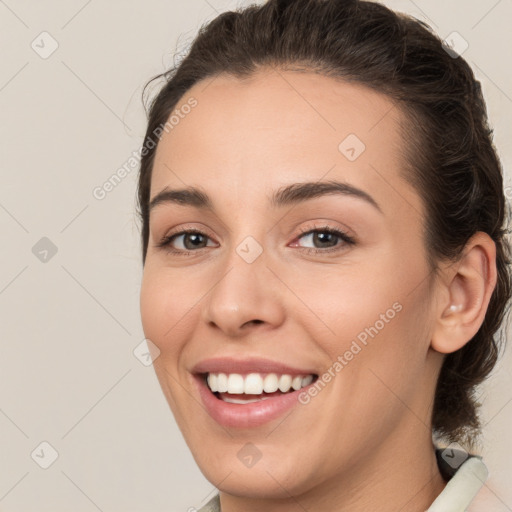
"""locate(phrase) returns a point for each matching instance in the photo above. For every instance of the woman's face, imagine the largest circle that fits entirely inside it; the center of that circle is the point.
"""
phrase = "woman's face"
(269, 293)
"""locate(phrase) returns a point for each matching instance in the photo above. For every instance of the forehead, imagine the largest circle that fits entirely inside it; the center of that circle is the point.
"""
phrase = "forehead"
(277, 127)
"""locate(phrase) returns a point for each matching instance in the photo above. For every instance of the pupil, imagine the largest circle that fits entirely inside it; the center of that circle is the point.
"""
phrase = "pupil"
(191, 237)
(323, 237)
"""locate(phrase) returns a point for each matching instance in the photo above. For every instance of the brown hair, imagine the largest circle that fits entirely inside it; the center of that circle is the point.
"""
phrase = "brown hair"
(452, 162)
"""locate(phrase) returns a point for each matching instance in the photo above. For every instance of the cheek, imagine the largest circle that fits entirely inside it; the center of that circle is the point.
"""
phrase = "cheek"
(167, 309)
(167, 316)
(151, 297)
(380, 302)
(343, 301)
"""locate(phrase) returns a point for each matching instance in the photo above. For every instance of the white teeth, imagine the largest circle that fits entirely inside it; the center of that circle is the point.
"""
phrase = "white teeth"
(235, 384)
(222, 383)
(285, 383)
(255, 383)
(306, 381)
(212, 382)
(231, 400)
(297, 383)
(270, 383)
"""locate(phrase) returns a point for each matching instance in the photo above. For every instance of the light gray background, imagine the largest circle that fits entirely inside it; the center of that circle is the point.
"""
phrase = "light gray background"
(69, 325)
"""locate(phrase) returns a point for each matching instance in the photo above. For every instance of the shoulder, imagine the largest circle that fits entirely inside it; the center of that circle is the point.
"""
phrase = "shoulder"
(466, 475)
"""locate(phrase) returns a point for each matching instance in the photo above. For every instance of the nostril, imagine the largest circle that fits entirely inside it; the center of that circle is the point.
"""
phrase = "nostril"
(254, 322)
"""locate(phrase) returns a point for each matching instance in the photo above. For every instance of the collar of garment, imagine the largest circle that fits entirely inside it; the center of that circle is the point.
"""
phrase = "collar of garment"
(465, 475)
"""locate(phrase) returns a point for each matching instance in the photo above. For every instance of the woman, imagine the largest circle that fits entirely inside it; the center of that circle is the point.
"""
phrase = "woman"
(325, 262)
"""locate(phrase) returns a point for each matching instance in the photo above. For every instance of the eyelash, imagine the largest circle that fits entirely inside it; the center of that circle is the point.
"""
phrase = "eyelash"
(165, 243)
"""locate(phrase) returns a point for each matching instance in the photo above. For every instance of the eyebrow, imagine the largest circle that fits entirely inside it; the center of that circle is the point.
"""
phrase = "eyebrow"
(287, 195)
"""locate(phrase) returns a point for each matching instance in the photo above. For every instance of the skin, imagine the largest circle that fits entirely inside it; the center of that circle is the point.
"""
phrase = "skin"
(364, 442)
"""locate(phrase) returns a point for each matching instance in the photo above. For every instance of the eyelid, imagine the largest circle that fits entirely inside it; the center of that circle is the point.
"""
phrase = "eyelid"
(323, 226)
(187, 228)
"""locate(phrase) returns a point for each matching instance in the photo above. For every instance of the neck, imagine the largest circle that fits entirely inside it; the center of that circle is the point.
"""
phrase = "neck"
(400, 475)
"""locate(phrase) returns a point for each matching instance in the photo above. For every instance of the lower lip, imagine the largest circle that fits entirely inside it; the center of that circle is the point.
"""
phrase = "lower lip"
(249, 415)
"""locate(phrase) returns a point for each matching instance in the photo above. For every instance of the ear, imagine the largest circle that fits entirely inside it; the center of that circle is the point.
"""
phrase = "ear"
(466, 289)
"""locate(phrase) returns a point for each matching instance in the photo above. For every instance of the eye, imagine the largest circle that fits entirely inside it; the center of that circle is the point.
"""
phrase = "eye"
(184, 242)
(325, 239)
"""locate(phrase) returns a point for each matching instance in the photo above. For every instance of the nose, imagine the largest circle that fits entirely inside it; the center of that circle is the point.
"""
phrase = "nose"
(244, 296)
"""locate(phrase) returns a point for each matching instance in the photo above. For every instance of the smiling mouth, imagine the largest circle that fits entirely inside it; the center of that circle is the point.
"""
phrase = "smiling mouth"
(236, 388)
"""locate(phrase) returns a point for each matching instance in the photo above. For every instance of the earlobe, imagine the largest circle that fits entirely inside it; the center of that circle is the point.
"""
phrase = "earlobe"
(467, 289)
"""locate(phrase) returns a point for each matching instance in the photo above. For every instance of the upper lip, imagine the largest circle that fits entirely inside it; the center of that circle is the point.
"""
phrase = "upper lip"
(252, 365)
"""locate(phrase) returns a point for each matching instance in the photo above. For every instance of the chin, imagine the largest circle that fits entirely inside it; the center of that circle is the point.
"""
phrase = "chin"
(241, 470)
